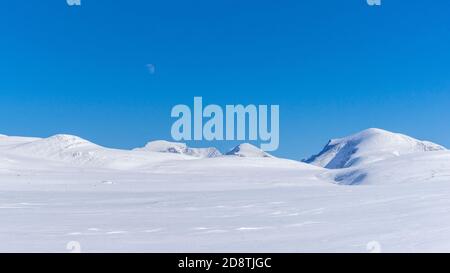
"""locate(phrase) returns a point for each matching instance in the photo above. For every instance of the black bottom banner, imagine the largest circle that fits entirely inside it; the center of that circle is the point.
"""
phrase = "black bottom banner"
(218, 262)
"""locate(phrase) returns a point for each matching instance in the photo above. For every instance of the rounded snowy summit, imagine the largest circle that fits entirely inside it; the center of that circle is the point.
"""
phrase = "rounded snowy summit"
(162, 146)
(368, 146)
(248, 150)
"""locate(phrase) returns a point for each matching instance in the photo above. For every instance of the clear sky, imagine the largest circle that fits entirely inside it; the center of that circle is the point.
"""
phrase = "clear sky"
(334, 67)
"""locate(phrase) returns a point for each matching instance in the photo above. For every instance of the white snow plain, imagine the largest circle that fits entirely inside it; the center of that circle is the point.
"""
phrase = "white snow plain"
(64, 189)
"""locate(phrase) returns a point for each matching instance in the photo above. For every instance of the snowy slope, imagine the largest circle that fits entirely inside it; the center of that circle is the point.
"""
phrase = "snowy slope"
(368, 146)
(404, 169)
(247, 150)
(163, 146)
(7, 141)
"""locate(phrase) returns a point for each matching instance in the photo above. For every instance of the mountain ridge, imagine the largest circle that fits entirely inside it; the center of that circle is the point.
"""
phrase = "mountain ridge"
(163, 146)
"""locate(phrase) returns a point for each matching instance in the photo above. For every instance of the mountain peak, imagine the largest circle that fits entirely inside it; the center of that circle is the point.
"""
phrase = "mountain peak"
(366, 134)
(162, 146)
(60, 141)
(64, 138)
(248, 150)
(368, 146)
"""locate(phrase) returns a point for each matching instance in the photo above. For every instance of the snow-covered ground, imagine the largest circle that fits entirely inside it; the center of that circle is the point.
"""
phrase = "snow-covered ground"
(388, 190)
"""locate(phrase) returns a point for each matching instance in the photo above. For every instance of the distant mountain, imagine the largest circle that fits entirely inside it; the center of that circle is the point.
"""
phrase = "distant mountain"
(162, 146)
(75, 150)
(248, 150)
(55, 146)
(368, 146)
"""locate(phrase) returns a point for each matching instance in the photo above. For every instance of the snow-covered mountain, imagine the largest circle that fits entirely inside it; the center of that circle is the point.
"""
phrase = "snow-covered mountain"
(368, 146)
(55, 146)
(248, 150)
(159, 199)
(162, 146)
(77, 151)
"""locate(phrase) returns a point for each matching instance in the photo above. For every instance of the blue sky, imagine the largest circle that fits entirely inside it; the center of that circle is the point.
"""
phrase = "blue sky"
(334, 67)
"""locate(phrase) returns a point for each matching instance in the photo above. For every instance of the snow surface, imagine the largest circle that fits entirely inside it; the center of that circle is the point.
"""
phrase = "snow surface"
(64, 189)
